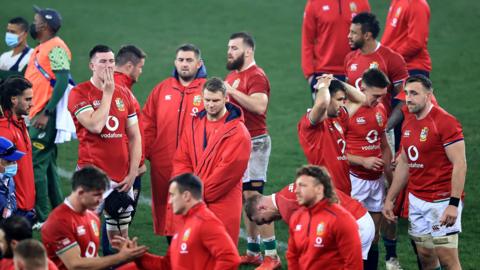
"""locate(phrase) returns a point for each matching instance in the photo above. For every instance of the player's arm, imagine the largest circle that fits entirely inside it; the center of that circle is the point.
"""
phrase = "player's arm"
(370, 163)
(387, 158)
(396, 116)
(322, 101)
(134, 152)
(74, 261)
(418, 23)
(293, 254)
(348, 241)
(255, 103)
(182, 162)
(309, 33)
(355, 97)
(95, 120)
(400, 178)
(216, 239)
(456, 154)
(149, 121)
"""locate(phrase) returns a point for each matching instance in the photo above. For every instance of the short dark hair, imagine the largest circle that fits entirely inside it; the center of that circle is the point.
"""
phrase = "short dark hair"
(188, 47)
(335, 86)
(369, 23)
(100, 48)
(251, 204)
(129, 53)
(189, 182)
(215, 84)
(322, 176)
(246, 37)
(15, 228)
(374, 77)
(426, 82)
(12, 87)
(33, 254)
(90, 178)
(21, 22)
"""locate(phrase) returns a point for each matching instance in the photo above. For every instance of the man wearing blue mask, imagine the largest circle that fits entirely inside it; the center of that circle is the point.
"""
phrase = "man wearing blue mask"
(8, 169)
(14, 62)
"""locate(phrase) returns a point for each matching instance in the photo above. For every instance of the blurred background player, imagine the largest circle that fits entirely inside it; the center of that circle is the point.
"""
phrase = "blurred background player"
(168, 110)
(248, 87)
(433, 166)
(30, 254)
(325, 25)
(14, 62)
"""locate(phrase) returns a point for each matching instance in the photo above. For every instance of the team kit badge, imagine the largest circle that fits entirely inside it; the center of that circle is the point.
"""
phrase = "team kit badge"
(120, 104)
(424, 134)
(379, 118)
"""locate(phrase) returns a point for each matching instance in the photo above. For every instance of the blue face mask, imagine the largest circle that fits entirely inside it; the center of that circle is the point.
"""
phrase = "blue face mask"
(11, 170)
(11, 40)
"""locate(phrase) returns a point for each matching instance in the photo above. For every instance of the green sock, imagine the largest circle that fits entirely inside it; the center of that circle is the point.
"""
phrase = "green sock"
(270, 245)
(253, 245)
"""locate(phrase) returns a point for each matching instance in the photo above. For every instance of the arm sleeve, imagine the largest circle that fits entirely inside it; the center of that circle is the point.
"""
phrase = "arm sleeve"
(308, 39)
(78, 103)
(397, 69)
(450, 130)
(292, 253)
(59, 88)
(418, 18)
(149, 121)
(218, 242)
(229, 167)
(258, 84)
(182, 162)
(306, 131)
(348, 239)
(63, 237)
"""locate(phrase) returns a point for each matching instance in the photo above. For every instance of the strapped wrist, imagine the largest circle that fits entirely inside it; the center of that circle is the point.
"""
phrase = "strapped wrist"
(454, 201)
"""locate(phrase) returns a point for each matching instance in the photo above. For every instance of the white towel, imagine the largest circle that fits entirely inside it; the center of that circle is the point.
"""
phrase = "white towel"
(64, 122)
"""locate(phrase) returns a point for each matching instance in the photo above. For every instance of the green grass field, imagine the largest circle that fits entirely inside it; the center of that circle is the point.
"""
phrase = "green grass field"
(160, 26)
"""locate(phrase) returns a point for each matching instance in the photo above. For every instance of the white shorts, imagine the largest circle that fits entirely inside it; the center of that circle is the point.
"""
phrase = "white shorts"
(371, 193)
(425, 217)
(366, 229)
(258, 162)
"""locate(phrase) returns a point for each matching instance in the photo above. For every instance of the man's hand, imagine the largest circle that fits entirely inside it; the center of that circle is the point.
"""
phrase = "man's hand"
(41, 121)
(141, 170)
(323, 81)
(108, 84)
(232, 88)
(373, 163)
(129, 249)
(388, 212)
(449, 216)
(127, 182)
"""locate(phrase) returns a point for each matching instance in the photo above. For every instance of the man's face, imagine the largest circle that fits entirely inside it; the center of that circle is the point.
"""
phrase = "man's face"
(356, 38)
(91, 199)
(373, 94)
(264, 215)
(17, 30)
(101, 61)
(187, 65)
(214, 102)
(307, 190)
(177, 199)
(23, 103)
(336, 101)
(235, 54)
(137, 70)
(416, 97)
(40, 24)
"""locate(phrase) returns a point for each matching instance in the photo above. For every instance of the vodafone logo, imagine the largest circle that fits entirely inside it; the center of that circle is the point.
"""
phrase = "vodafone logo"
(412, 153)
(112, 123)
(372, 136)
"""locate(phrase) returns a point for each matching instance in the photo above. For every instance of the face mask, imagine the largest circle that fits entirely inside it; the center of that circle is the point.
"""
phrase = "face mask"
(11, 40)
(11, 170)
(33, 31)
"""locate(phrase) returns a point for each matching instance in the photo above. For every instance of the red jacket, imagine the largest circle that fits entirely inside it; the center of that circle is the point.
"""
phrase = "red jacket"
(202, 243)
(406, 32)
(7, 264)
(324, 236)
(168, 109)
(220, 164)
(325, 28)
(16, 131)
(126, 82)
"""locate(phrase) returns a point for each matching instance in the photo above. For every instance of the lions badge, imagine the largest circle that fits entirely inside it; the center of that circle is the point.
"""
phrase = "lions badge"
(424, 134)
(120, 104)
(95, 228)
(379, 118)
(373, 65)
(197, 100)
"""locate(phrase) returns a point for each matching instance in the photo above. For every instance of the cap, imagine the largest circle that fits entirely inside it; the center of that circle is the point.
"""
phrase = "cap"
(8, 150)
(51, 16)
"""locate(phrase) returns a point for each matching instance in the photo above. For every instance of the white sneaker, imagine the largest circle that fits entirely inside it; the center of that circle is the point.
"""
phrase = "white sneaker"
(37, 226)
(393, 264)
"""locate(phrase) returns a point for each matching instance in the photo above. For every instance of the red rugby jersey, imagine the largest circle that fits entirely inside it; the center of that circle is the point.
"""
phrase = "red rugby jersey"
(250, 81)
(109, 149)
(424, 142)
(406, 32)
(66, 228)
(364, 136)
(384, 59)
(324, 145)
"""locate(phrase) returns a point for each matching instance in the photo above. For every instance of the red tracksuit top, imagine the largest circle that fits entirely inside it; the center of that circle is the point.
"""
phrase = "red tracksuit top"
(167, 111)
(16, 131)
(220, 162)
(406, 32)
(326, 24)
(324, 236)
(202, 243)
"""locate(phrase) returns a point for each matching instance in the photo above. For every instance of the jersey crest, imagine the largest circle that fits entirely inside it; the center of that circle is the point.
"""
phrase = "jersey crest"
(424, 134)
